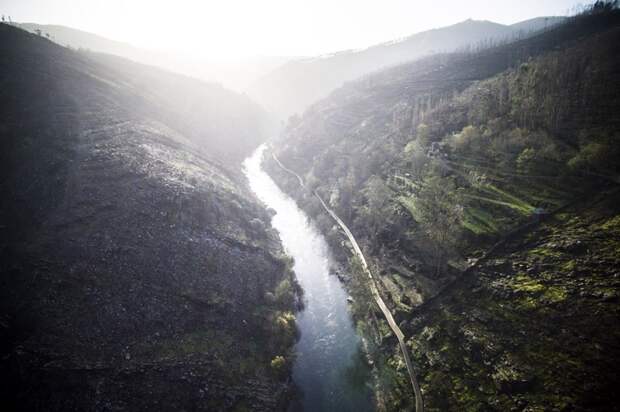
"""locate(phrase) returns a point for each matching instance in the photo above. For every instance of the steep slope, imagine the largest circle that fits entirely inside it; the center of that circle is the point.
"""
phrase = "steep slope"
(134, 264)
(293, 87)
(534, 327)
(225, 125)
(433, 162)
(232, 73)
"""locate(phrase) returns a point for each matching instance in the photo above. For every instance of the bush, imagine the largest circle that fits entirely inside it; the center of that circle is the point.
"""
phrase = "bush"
(592, 156)
(464, 140)
(284, 293)
(278, 364)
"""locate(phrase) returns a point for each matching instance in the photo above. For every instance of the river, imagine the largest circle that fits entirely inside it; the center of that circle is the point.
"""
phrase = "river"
(329, 368)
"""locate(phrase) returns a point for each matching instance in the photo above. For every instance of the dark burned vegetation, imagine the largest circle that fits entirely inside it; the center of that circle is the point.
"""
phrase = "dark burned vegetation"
(135, 265)
(431, 163)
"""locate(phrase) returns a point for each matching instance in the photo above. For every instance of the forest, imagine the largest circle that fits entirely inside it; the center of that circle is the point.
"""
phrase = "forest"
(472, 179)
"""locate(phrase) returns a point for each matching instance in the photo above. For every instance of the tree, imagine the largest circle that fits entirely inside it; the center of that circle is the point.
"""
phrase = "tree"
(423, 135)
(604, 6)
(285, 293)
(375, 213)
(525, 160)
(597, 158)
(279, 365)
(416, 158)
(346, 189)
(468, 138)
(438, 210)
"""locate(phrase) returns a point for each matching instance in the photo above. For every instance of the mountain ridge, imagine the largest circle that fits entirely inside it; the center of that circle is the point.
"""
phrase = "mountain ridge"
(231, 74)
(292, 87)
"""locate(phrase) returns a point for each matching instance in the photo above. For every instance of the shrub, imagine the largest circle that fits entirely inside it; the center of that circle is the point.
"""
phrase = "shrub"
(278, 364)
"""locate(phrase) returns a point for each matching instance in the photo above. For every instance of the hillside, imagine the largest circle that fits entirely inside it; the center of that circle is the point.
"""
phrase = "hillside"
(226, 125)
(231, 73)
(430, 164)
(292, 87)
(79, 39)
(134, 263)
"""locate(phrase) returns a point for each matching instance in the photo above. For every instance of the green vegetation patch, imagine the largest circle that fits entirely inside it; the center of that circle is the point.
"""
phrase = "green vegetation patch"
(515, 203)
(569, 265)
(554, 294)
(479, 221)
(545, 252)
(524, 283)
(537, 293)
(409, 204)
(612, 224)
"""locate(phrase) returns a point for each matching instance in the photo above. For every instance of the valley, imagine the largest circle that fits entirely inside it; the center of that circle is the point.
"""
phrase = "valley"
(427, 224)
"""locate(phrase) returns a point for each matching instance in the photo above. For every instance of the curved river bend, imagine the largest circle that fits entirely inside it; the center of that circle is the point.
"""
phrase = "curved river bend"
(329, 367)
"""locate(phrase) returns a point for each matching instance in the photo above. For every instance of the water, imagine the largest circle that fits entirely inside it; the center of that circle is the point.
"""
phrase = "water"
(329, 367)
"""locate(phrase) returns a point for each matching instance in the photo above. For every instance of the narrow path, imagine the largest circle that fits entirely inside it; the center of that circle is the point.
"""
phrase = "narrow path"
(419, 404)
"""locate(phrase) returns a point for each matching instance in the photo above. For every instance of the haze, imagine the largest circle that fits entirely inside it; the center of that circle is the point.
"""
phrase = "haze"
(238, 28)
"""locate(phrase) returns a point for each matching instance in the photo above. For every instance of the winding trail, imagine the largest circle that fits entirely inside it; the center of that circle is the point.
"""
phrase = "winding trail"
(419, 404)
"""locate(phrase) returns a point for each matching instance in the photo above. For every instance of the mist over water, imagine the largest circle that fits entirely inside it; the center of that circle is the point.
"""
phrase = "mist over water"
(328, 369)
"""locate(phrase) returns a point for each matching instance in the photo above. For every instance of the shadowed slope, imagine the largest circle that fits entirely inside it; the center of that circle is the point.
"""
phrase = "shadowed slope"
(134, 264)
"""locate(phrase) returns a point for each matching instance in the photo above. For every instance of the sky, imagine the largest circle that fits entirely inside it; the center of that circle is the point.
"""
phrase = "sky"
(236, 28)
